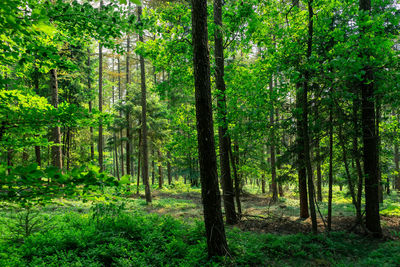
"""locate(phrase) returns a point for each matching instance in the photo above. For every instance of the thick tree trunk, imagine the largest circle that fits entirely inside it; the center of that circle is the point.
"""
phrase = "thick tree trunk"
(56, 153)
(215, 230)
(226, 180)
(145, 152)
(370, 149)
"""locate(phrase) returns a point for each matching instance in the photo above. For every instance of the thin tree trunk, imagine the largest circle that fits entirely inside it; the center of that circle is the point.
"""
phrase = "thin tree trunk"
(90, 106)
(153, 166)
(100, 144)
(226, 180)
(356, 155)
(38, 156)
(169, 168)
(306, 138)
(120, 115)
(160, 174)
(56, 153)
(139, 162)
(128, 111)
(237, 181)
(145, 153)
(274, 185)
(330, 175)
(215, 230)
(378, 140)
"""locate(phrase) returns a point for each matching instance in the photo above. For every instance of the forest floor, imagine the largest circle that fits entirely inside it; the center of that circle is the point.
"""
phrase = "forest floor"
(282, 217)
(170, 232)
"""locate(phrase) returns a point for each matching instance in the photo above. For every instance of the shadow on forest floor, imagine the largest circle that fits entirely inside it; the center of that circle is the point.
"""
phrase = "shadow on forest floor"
(260, 215)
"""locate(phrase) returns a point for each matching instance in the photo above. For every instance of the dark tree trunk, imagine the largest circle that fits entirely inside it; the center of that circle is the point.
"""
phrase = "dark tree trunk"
(330, 175)
(56, 153)
(263, 183)
(306, 138)
(215, 230)
(153, 167)
(370, 149)
(356, 155)
(237, 180)
(38, 156)
(378, 141)
(226, 180)
(319, 173)
(145, 152)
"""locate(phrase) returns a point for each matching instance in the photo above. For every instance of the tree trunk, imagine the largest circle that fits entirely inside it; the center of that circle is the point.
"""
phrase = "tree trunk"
(274, 185)
(128, 119)
(90, 106)
(330, 175)
(145, 152)
(169, 168)
(226, 180)
(378, 141)
(237, 181)
(397, 166)
(139, 160)
(306, 139)
(215, 230)
(100, 144)
(356, 155)
(38, 156)
(153, 167)
(370, 149)
(160, 174)
(263, 183)
(56, 153)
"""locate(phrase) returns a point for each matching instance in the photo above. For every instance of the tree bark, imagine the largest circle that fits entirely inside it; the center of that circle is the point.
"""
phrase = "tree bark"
(160, 174)
(100, 144)
(215, 230)
(223, 136)
(306, 139)
(56, 153)
(330, 175)
(145, 152)
(370, 149)
(169, 168)
(237, 180)
(128, 119)
(274, 185)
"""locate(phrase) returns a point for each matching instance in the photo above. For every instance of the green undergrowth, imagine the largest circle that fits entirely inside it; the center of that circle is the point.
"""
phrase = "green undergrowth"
(109, 235)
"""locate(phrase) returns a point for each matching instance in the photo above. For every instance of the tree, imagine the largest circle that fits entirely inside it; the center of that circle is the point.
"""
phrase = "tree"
(56, 154)
(215, 231)
(223, 135)
(370, 148)
(145, 152)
